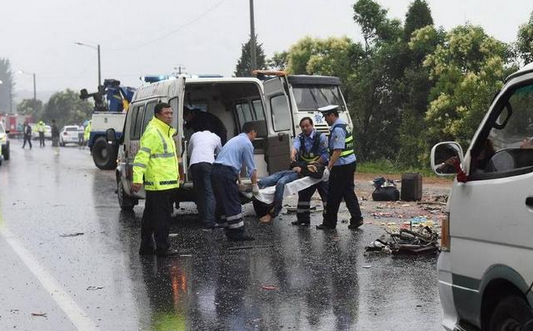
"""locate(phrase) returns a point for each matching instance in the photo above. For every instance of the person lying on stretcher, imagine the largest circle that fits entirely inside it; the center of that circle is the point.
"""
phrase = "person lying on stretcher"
(309, 156)
(279, 179)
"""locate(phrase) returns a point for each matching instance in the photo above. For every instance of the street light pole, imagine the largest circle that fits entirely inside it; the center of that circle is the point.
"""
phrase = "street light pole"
(253, 62)
(99, 67)
(97, 48)
(34, 88)
(34, 93)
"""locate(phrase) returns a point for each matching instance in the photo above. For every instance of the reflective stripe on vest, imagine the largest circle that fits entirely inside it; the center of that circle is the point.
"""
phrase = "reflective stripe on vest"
(348, 141)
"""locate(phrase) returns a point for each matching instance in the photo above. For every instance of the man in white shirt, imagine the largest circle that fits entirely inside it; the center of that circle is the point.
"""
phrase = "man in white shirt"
(203, 146)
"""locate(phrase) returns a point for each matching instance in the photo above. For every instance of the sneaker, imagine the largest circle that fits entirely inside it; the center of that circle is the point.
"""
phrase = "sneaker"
(325, 227)
(356, 225)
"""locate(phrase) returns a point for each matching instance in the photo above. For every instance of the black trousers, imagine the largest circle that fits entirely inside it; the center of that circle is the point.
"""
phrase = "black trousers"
(41, 138)
(203, 192)
(228, 202)
(156, 219)
(303, 212)
(341, 186)
(28, 139)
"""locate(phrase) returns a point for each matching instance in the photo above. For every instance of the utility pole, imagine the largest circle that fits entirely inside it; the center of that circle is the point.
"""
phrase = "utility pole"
(99, 67)
(34, 94)
(253, 62)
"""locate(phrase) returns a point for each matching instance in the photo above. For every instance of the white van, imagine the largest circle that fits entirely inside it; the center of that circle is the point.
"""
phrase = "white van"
(275, 105)
(485, 270)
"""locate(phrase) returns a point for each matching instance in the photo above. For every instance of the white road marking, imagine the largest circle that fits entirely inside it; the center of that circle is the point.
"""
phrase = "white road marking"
(77, 316)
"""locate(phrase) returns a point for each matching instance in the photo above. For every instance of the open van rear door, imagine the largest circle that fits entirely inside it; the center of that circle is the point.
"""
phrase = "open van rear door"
(280, 110)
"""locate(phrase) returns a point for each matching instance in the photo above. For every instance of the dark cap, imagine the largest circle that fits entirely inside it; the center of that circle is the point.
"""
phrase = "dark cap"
(328, 109)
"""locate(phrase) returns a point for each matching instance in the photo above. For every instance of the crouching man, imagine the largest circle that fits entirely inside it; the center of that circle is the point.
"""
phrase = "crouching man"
(237, 152)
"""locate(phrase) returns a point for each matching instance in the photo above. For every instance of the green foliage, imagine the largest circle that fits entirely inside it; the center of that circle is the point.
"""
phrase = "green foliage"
(244, 65)
(7, 85)
(524, 43)
(469, 69)
(26, 107)
(279, 61)
(418, 16)
(67, 108)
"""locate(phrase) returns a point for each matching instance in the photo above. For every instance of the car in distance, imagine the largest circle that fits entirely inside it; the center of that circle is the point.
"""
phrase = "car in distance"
(70, 134)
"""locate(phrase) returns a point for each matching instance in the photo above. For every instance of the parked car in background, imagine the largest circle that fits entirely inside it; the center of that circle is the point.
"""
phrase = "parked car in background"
(4, 142)
(70, 134)
(35, 133)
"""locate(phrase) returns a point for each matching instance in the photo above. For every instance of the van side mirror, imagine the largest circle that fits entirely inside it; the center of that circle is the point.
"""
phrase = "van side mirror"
(111, 137)
(443, 157)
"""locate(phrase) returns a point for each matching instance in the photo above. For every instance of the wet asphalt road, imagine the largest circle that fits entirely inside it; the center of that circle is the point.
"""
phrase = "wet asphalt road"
(68, 252)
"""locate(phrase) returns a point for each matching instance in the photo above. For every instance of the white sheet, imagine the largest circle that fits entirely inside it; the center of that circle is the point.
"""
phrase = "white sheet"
(266, 195)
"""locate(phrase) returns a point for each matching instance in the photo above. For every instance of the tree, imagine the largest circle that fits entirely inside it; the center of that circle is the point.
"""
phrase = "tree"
(244, 65)
(25, 107)
(67, 108)
(6, 86)
(468, 68)
(418, 16)
(279, 61)
(524, 43)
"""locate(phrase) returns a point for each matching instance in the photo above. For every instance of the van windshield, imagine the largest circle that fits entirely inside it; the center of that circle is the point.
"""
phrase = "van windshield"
(312, 97)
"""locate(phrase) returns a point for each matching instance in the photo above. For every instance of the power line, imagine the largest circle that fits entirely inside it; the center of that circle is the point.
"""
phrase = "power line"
(173, 31)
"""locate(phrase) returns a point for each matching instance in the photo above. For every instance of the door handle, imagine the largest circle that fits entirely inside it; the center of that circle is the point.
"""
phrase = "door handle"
(529, 201)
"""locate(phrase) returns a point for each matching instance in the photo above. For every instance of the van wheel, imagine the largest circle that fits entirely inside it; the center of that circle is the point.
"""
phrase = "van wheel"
(104, 155)
(5, 151)
(511, 313)
(125, 202)
(261, 208)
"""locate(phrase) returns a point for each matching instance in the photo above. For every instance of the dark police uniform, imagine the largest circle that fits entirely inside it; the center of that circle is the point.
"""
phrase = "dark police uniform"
(310, 148)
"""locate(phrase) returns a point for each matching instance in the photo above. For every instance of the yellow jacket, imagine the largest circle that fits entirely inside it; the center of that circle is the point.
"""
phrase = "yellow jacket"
(157, 159)
(87, 131)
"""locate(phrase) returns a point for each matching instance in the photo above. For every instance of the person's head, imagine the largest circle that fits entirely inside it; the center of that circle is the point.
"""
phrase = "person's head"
(188, 114)
(163, 112)
(53, 121)
(250, 129)
(306, 125)
(330, 113)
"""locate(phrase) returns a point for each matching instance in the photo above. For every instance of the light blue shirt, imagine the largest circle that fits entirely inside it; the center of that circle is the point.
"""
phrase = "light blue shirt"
(238, 151)
(337, 139)
(308, 142)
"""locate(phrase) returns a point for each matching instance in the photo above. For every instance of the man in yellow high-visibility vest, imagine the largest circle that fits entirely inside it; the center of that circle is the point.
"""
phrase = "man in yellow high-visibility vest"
(156, 166)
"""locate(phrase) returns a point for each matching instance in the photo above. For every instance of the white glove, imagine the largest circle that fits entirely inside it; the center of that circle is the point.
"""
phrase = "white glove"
(255, 189)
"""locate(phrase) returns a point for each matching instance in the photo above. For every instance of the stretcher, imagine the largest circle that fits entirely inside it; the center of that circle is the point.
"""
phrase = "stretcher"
(266, 195)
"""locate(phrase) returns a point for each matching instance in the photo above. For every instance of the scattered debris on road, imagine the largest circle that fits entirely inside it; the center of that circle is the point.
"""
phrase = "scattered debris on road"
(94, 288)
(269, 287)
(75, 234)
(39, 314)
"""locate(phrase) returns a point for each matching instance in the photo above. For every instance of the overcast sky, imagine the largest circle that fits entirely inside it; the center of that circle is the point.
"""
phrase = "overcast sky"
(152, 37)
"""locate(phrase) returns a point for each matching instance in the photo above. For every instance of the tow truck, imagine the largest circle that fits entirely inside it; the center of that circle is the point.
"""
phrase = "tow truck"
(111, 103)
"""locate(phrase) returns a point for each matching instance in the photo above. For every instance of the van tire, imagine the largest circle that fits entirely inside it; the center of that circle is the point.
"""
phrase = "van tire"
(5, 151)
(261, 208)
(511, 313)
(104, 154)
(125, 202)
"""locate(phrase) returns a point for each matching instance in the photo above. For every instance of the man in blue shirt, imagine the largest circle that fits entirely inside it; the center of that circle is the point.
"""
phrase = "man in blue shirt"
(342, 164)
(235, 154)
(310, 147)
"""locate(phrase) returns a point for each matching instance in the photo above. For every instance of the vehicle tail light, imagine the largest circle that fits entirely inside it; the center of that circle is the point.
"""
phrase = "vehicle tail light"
(445, 233)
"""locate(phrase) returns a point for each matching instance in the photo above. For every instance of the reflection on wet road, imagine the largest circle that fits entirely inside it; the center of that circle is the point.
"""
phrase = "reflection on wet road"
(64, 212)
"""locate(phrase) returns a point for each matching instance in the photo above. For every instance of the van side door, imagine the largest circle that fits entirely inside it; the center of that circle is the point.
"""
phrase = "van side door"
(278, 106)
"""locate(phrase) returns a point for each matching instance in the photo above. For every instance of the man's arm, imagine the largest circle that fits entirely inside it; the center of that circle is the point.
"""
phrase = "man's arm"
(140, 163)
(334, 158)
